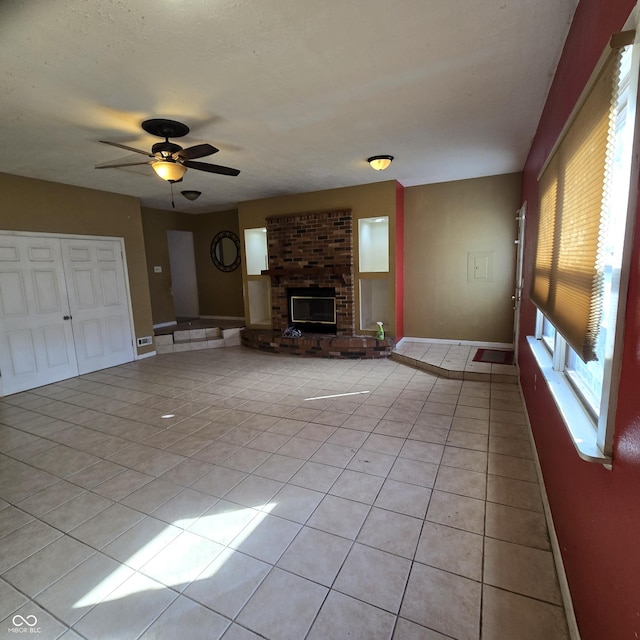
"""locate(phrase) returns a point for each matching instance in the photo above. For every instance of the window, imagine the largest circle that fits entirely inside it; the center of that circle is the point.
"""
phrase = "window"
(548, 333)
(580, 263)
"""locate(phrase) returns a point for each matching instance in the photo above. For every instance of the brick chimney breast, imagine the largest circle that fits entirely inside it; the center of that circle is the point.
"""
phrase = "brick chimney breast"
(310, 250)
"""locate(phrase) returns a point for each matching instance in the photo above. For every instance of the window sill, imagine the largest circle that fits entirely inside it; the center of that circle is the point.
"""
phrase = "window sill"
(576, 419)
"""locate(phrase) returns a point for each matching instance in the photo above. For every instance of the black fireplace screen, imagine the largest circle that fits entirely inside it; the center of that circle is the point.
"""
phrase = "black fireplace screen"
(312, 309)
(315, 309)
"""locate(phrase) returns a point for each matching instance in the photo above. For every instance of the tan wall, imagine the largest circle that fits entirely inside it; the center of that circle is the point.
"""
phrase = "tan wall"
(219, 293)
(48, 207)
(365, 201)
(443, 223)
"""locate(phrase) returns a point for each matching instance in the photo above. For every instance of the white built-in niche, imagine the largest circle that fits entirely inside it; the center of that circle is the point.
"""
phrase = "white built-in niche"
(373, 244)
(373, 262)
(258, 285)
(255, 250)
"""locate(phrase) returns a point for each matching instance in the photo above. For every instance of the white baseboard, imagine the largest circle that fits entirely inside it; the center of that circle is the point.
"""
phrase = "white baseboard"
(164, 324)
(146, 355)
(570, 614)
(463, 343)
(230, 318)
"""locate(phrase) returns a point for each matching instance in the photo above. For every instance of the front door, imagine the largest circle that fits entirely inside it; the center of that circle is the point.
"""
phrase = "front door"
(517, 297)
(36, 338)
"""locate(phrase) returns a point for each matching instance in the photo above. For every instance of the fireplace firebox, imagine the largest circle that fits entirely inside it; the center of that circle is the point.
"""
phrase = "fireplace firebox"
(312, 309)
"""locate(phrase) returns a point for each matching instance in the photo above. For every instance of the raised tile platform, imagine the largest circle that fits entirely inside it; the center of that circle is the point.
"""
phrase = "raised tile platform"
(318, 345)
(452, 360)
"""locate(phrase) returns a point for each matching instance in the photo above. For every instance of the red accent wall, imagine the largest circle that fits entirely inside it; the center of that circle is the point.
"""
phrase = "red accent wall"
(596, 512)
(399, 261)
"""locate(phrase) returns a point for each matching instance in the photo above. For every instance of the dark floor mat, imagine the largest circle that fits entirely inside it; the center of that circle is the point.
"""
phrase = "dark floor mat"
(493, 356)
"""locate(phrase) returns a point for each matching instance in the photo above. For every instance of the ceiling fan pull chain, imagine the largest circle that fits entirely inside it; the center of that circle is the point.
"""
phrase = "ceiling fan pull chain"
(173, 204)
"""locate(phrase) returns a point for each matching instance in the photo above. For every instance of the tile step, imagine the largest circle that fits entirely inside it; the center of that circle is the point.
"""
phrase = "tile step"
(196, 339)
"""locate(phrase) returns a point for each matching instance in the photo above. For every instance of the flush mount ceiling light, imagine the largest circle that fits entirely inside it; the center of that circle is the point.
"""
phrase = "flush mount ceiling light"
(168, 170)
(190, 194)
(379, 163)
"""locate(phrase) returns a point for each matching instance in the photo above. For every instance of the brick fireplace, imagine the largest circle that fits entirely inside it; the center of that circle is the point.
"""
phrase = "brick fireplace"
(312, 252)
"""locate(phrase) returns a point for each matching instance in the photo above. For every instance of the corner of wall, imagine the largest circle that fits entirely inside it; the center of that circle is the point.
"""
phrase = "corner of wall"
(399, 303)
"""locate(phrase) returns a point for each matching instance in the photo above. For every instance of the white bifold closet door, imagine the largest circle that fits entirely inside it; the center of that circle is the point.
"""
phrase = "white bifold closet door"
(64, 309)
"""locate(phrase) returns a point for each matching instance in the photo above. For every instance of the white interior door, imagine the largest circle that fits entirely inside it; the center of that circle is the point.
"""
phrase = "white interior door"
(36, 338)
(98, 303)
(182, 259)
(517, 297)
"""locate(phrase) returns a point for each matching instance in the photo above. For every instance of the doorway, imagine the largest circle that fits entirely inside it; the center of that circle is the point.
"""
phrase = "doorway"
(184, 283)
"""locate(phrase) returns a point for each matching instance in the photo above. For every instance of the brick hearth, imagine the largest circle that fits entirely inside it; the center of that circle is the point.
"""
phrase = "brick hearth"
(318, 345)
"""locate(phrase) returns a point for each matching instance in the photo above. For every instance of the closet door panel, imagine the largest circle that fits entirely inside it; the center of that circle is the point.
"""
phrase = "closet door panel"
(36, 341)
(98, 302)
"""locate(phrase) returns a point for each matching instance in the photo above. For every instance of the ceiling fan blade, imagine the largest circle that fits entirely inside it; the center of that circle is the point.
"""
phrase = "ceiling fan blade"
(211, 168)
(119, 164)
(197, 151)
(124, 146)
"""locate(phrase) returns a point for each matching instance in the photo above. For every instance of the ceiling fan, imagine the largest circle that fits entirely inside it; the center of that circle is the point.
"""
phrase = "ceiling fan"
(169, 160)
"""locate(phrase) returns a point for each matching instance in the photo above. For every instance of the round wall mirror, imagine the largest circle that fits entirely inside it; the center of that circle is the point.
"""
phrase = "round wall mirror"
(225, 251)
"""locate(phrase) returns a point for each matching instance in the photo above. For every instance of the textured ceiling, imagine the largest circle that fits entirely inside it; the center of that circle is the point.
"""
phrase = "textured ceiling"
(295, 93)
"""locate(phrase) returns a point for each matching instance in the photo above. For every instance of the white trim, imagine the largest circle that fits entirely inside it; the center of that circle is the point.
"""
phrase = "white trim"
(127, 286)
(565, 592)
(521, 218)
(575, 416)
(145, 355)
(464, 343)
(66, 236)
(164, 324)
(234, 318)
(539, 323)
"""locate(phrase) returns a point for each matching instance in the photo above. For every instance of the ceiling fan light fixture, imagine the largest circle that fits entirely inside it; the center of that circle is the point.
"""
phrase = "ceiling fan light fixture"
(191, 194)
(170, 171)
(380, 163)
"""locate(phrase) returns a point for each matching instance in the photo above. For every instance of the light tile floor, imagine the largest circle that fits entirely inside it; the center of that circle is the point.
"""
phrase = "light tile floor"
(452, 360)
(237, 495)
